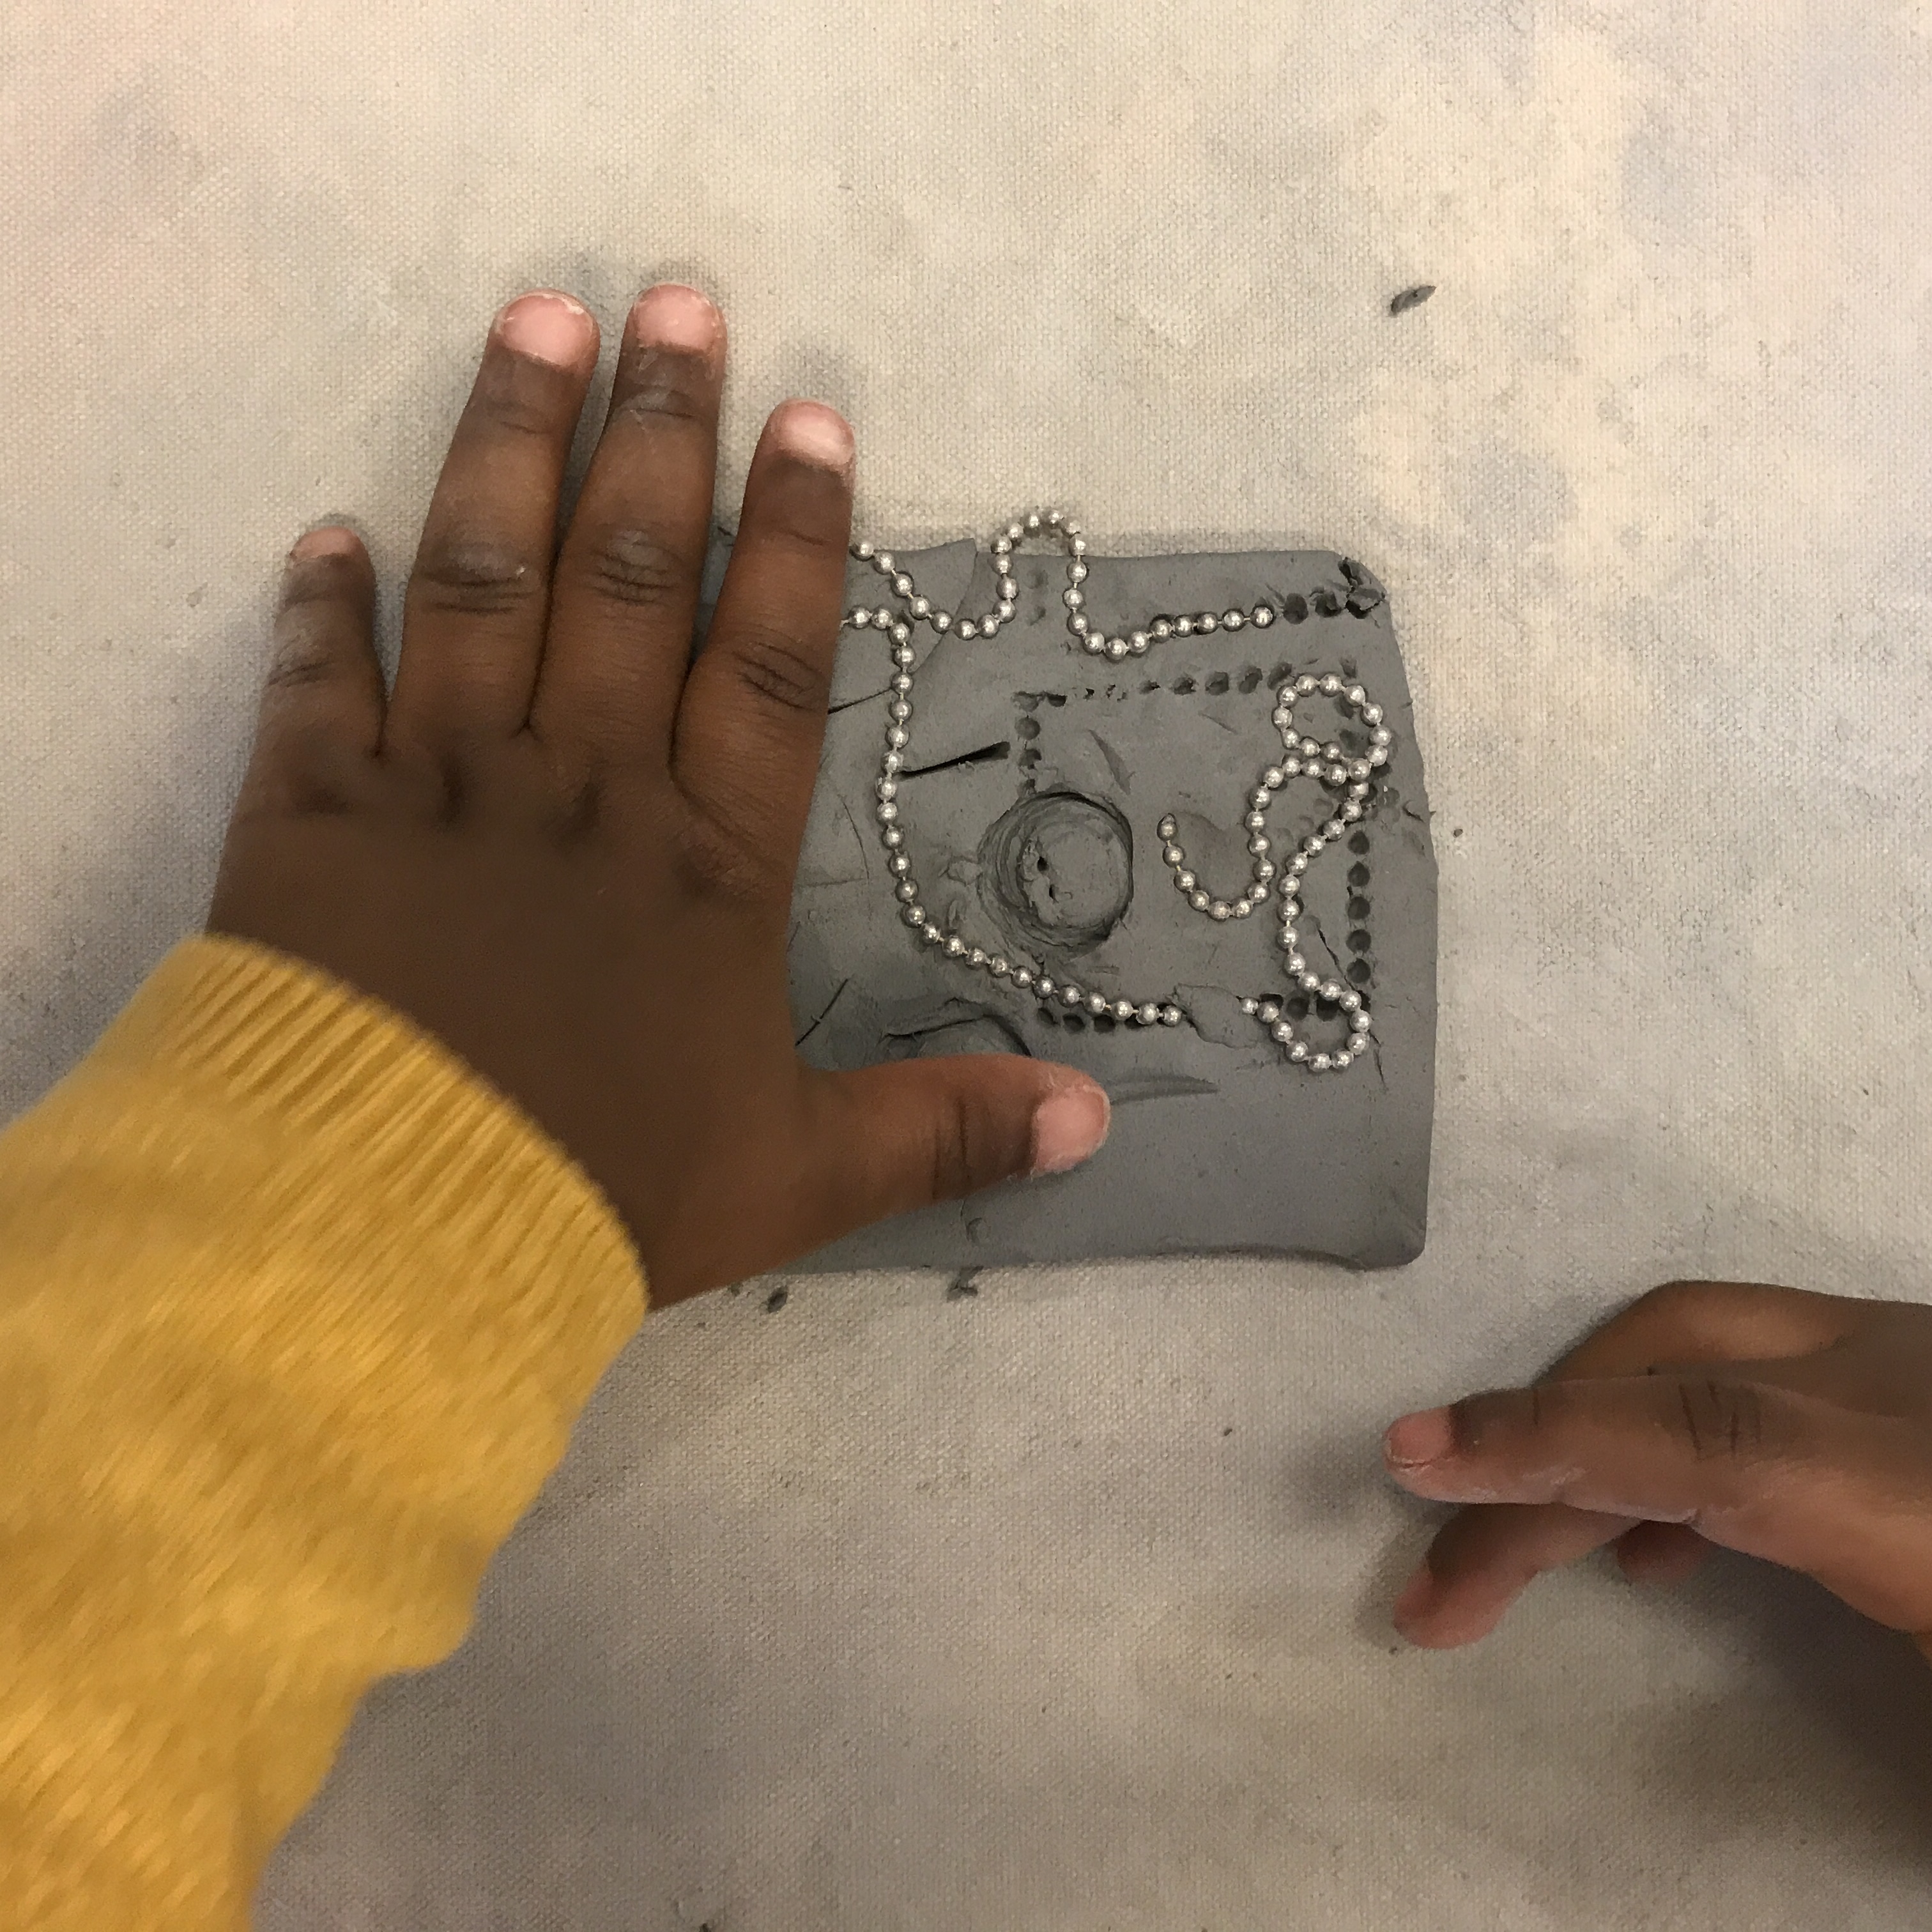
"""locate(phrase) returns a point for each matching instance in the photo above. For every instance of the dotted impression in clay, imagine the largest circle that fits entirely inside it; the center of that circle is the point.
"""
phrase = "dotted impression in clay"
(1064, 866)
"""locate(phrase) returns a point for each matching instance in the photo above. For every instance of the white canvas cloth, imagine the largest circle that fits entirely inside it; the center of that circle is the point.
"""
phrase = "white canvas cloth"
(1063, 1606)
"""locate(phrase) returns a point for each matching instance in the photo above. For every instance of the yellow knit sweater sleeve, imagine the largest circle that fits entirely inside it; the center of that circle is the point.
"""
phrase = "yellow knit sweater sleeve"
(295, 1316)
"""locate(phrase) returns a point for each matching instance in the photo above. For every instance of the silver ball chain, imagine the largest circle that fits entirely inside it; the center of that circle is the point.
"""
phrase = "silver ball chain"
(1353, 778)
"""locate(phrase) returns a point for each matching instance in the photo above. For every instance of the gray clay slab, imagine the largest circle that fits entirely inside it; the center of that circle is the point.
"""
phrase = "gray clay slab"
(1035, 778)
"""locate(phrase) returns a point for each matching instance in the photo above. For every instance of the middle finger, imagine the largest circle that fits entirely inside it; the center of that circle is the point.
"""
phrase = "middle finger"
(627, 580)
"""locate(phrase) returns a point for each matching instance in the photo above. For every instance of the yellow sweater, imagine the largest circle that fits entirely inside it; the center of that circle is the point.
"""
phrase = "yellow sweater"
(295, 1316)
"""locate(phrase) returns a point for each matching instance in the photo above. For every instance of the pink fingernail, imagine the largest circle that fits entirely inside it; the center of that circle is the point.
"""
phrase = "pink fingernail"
(552, 327)
(1418, 1598)
(673, 316)
(1424, 1437)
(331, 540)
(815, 432)
(1068, 1125)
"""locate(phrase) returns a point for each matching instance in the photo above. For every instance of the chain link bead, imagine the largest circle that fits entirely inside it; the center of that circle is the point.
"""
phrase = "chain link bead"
(1307, 756)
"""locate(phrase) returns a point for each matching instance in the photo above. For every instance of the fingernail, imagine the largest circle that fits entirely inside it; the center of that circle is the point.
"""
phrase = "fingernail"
(553, 328)
(673, 316)
(1417, 1600)
(1424, 1437)
(331, 540)
(1068, 1125)
(815, 434)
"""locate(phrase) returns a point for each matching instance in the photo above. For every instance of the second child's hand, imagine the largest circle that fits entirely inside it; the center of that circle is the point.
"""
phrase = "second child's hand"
(1793, 1426)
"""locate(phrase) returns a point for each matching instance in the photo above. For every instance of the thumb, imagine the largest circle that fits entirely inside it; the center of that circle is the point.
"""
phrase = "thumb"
(909, 1134)
(1773, 1471)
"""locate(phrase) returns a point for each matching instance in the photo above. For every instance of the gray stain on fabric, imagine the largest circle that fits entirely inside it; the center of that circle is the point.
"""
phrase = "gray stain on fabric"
(1411, 299)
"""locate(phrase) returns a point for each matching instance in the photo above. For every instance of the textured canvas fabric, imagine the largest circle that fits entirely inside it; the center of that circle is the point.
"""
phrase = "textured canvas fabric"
(1061, 1604)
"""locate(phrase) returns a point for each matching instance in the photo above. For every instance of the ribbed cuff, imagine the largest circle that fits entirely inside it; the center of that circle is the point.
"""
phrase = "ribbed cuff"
(394, 1113)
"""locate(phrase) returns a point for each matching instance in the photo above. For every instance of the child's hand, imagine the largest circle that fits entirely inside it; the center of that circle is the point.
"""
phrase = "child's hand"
(567, 850)
(1794, 1426)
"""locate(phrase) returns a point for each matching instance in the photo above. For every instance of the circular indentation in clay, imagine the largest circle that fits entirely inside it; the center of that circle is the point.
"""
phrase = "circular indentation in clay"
(1358, 874)
(1359, 972)
(1058, 869)
(1360, 843)
(1358, 907)
(1359, 940)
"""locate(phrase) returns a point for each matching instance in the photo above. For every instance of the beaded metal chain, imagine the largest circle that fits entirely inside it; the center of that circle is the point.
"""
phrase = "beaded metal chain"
(1353, 778)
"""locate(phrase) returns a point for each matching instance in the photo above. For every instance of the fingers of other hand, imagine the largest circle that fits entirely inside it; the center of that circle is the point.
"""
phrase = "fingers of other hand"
(753, 715)
(899, 1137)
(1713, 1321)
(1662, 1448)
(1844, 1496)
(478, 597)
(322, 702)
(625, 597)
(1485, 1557)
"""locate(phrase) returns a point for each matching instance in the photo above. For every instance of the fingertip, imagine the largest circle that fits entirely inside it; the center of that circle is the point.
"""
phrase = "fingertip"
(1416, 1598)
(327, 541)
(816, 433)
(1447, 1629)
(322, 695)
(1070, 1124)
(673, 316)
(329, 564)
(549, 326)
(1413, 1441)
(1433, 1613)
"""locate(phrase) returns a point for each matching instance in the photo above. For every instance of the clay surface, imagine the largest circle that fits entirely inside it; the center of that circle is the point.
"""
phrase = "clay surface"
(1034, 783)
